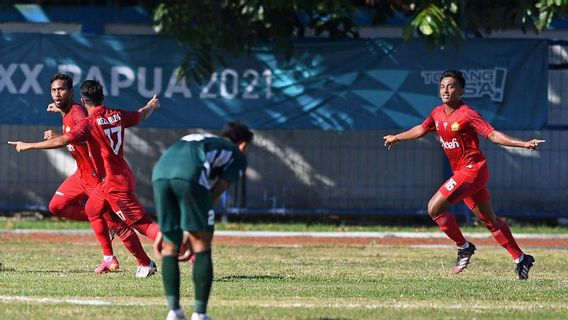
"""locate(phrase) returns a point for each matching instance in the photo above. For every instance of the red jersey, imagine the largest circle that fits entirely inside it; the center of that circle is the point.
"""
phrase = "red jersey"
(458, 134)
(103, 129)
(80, 151)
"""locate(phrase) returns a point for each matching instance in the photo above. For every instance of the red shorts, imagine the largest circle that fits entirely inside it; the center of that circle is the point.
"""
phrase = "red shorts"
(72, 189)
(123, 203)
(467, 184)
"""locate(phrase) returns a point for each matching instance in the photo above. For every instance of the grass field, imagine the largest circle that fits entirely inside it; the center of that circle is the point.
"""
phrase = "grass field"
(56, 281)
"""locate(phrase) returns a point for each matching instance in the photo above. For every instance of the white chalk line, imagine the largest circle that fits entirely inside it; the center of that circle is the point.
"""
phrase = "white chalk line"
(303, 305)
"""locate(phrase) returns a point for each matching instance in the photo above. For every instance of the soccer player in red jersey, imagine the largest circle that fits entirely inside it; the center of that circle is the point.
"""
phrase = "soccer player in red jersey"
(103, 130)
(67, 202)
(458, 125)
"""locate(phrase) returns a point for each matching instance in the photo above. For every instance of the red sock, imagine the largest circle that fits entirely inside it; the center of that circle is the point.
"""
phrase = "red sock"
(132, 243)
(147, 228)
(504, 237)
(449, 225)
(69, 210)
(100, 228)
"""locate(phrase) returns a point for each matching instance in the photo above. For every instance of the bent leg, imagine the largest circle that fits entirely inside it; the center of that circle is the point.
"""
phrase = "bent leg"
(95, 209)
(499, 229)
(67, 200)
(129, 209)
(129, 238)
(438, 209)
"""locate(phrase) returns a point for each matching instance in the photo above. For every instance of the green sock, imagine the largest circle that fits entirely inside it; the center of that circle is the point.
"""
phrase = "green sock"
(170, 278)
(202, 279)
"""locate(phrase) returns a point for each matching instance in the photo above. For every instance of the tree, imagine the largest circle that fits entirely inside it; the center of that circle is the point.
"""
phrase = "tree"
(214, 29)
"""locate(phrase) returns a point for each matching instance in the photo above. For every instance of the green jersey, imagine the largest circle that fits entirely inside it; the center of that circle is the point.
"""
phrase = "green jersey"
(201, 158)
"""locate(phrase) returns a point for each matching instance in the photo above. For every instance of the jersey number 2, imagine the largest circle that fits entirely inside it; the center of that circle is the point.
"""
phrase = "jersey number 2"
(114, 144)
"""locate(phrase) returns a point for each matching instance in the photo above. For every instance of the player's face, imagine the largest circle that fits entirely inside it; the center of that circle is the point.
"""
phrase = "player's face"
(450, 91)
(60, 94)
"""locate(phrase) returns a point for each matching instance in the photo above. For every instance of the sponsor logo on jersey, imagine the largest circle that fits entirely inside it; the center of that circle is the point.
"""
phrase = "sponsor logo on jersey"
(455, 126)
(67, 129)
(451, 144)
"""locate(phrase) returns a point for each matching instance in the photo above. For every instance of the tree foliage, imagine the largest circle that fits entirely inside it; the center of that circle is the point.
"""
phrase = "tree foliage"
(214, 29)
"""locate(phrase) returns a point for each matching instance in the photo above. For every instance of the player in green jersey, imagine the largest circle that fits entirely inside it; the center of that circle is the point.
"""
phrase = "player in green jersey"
(188, 179)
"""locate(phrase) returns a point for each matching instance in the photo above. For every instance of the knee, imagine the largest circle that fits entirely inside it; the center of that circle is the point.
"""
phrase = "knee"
(122, 232)
(169, 248)
(433, 209)
(55, 206)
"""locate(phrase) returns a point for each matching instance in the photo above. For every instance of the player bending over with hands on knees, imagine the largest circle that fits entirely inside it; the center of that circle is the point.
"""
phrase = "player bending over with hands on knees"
(458, 125)
(188, 179)
(103, 130)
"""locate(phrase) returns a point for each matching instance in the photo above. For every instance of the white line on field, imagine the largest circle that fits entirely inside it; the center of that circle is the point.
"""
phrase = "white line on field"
(319, 234)
(89, 302)
(286, 304)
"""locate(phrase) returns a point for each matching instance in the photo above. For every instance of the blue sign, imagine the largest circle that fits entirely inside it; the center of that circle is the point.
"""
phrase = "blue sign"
(351, 85)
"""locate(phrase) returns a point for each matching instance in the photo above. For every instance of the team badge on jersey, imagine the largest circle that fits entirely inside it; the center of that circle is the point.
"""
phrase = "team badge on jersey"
(455, 126)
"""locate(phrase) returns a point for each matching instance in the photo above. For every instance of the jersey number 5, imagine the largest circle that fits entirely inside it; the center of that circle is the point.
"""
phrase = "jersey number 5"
(115, 143)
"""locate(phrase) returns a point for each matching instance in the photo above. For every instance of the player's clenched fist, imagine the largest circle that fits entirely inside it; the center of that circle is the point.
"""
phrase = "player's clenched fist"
(50, 134)
(53, 108)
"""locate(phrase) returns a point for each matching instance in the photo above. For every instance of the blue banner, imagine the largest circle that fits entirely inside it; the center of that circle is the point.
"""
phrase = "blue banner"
(351, 85)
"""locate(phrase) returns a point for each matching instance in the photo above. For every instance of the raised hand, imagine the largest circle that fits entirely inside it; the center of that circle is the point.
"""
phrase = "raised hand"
(50, 134)
(53, 108)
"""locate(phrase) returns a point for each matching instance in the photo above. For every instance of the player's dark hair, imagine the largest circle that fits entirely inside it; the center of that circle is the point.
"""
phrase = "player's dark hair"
(92, 91)
(456, 74)
(62, 76)
(237, 132)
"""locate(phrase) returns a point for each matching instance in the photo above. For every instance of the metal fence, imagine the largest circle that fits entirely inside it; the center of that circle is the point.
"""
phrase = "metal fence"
(325, 172)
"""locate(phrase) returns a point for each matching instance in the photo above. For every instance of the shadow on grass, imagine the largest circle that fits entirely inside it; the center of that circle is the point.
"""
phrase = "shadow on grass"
(250, 277)
(9, 269)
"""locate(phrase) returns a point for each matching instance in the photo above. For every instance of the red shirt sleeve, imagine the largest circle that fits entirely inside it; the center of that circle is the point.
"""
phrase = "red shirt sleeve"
(130, 118)
(429, 123)
(480, 125)
(78, 115)
(81, 132)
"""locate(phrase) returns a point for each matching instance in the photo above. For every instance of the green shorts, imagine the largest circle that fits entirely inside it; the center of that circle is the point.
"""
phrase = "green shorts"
(182, 205)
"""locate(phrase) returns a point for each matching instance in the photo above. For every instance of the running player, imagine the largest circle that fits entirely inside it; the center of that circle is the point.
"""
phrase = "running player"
(458, 125)
(188, 179)
(68, 200)
(103, 130)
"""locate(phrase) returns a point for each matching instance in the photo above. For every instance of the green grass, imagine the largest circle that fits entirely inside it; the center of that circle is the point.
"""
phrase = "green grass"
(54, 224)
(272, 282)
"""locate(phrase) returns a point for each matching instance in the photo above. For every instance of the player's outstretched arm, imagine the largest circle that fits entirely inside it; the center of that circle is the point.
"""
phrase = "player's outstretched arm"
(146, 110)
(500, 138)
(54, 143)
(411, 134)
